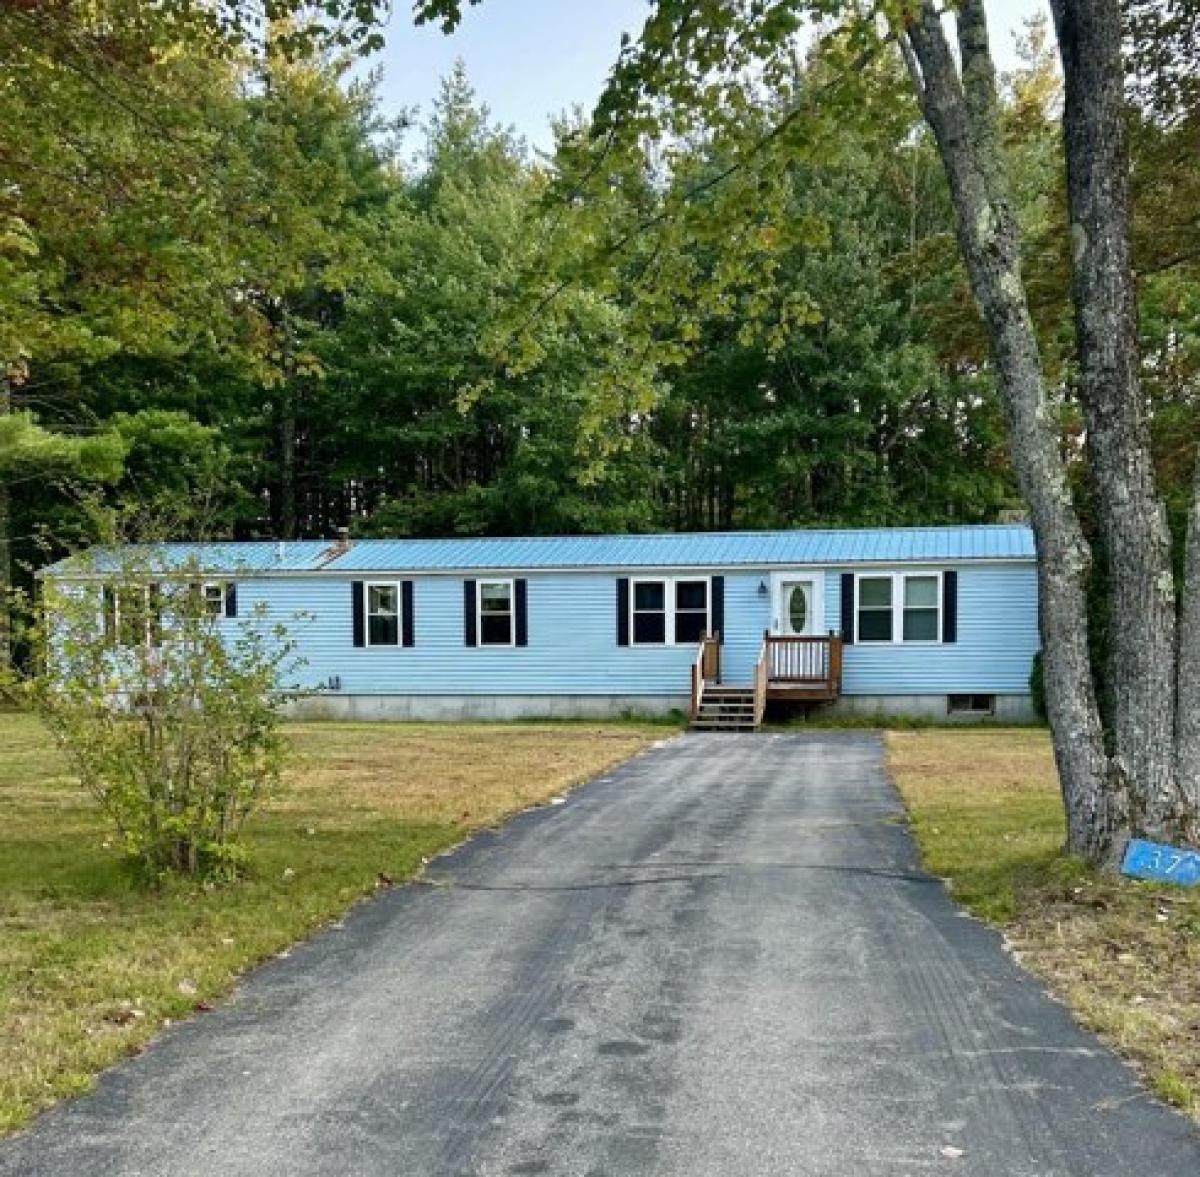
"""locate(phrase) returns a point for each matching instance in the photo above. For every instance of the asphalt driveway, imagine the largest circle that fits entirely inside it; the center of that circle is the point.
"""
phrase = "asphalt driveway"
(720, 959)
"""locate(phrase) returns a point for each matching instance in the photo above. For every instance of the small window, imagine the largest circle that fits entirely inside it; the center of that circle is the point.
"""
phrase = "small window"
(383, 615)
(214, 599)
(691, 610)
(133, 621)
(875, 609)
(920, 609)
(649, 612)
(495, 613)
(971, 704)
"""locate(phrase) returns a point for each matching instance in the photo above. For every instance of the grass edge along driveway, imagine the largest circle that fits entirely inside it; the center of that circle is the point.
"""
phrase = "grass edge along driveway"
(1124, 956)
(92, 966)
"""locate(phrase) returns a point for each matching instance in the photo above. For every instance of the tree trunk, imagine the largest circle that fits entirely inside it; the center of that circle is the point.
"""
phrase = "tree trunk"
(962, 113)
(1132, 521)
(287, 463)
(1187, 718)
(5, 547)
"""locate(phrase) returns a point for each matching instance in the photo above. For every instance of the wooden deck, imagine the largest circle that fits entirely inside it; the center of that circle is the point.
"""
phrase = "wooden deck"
(803, 669)
(790, 669)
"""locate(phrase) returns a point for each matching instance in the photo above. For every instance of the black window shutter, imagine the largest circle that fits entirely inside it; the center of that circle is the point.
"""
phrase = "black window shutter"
(230, 599)
(356, 600)
(622, 610)
(110, 612)
(470, 634)
(949, 606)
(848, 607)
(717, 609)
(521, 606)
(406, 613)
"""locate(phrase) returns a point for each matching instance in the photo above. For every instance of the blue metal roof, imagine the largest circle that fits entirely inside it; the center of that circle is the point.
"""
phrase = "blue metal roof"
(893, 545)
(245, 558)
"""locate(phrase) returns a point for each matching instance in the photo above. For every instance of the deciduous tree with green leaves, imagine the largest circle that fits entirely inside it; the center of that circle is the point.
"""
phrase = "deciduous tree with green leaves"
(706, 71)
(169, 713)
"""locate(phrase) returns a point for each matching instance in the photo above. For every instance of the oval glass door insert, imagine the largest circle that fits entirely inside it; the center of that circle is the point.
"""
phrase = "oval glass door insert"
(798, 608)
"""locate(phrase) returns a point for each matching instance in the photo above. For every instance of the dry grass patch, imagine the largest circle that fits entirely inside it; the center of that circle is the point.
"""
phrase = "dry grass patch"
(1125, 956)
(440, 773)
(92, 965)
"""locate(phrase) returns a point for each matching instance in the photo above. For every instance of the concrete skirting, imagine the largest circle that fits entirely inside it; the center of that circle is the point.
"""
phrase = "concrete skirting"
(1008, 708)
(457, 708)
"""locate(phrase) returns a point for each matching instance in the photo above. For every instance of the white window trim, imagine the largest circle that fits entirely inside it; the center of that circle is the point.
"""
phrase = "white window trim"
(675, 610)
(859, 640)
(223, 585)
(147, 638)
(512, 614)
(367, 614)
(781, 577)
(668, 619)
(898, 579)
(669, 610)
(938, 604)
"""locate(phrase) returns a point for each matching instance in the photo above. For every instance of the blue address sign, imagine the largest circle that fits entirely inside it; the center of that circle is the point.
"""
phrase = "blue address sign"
(1164, 864)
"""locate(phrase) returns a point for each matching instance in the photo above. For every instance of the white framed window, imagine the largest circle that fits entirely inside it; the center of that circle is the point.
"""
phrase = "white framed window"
(132, 615)
(495, 613)
(648, 612)
(874, 607)
(898, 608)
(383, 614)
(214, 596)
(922, 620)
(669, 610)
(691, 611)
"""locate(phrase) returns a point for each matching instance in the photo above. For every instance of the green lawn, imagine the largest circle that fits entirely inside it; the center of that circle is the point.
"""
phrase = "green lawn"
(1125, 956)
(92, 965)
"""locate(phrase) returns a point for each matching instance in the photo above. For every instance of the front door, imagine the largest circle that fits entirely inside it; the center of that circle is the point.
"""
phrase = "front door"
(797, 606)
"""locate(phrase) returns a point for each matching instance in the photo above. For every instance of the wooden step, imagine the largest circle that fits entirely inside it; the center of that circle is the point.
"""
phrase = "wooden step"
(726, 709)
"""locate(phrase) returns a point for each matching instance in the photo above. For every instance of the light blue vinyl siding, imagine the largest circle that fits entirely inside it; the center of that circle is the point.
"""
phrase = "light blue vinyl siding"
(572, 638)
(572, 631)
(997, 638)
(573, 645)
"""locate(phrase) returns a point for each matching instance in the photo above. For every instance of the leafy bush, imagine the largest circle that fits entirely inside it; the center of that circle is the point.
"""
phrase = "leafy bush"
(168, 711)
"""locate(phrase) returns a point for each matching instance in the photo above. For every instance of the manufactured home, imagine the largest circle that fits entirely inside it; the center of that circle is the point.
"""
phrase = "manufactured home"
(939, 621)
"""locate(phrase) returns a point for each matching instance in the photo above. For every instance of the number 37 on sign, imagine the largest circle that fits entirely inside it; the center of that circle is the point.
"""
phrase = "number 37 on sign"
(1164, 864)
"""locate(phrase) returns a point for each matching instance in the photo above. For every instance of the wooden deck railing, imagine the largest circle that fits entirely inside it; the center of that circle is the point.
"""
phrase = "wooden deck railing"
(796, 668)
(804, 661)
(761, 679)
(706, 667)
